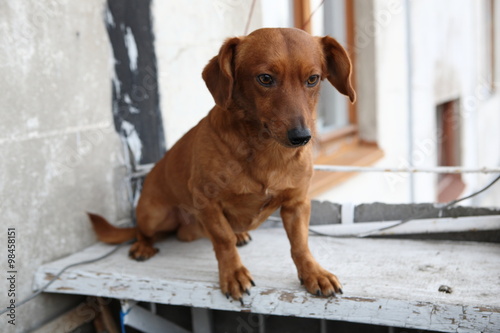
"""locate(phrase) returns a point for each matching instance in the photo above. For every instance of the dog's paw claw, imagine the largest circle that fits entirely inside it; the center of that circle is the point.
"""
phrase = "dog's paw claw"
(241, 301)
(235, 282)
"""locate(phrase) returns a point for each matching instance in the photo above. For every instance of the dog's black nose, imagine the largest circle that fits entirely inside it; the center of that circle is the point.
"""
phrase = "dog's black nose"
(299, 136)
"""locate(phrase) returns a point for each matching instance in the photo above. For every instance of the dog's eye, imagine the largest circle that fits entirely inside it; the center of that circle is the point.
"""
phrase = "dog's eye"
(312, 80)
(265, 79)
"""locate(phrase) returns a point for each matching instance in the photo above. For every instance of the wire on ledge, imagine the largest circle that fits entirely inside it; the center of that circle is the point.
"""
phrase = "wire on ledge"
(424, 215)
(41, 290)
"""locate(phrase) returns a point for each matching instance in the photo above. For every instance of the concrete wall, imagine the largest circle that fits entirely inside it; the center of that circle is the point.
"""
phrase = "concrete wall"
(447, 62)
(60, 155)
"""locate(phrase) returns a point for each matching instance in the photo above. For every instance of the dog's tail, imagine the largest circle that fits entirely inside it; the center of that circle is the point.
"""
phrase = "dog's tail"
(108, 233)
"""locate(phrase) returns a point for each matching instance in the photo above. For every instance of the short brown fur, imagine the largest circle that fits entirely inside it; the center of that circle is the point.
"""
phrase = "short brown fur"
(240, 163)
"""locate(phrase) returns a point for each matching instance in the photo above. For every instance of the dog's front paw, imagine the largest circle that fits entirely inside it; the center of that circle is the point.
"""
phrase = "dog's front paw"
(235, 282)
(320, 282)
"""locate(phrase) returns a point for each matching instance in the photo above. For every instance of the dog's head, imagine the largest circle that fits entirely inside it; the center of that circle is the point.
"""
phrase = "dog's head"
(272, 77)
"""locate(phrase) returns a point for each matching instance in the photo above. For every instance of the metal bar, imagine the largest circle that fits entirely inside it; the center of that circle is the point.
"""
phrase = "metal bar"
(409, 87)
(451, 169)
(145, 169)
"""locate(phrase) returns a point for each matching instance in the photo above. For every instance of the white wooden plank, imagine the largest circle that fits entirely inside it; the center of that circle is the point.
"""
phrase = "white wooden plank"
(385, 282)
(347, 212)
(421, 226)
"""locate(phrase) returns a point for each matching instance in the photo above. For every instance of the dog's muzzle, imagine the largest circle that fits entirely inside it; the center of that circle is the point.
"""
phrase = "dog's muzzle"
(299, 136)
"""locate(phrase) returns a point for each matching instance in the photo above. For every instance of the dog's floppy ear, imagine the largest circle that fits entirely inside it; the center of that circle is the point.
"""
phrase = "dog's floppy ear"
(219, 73)
(339, 68)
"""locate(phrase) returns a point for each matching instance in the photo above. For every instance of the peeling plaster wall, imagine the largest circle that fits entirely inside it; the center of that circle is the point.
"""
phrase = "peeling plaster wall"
(136, 109)
(60, 154)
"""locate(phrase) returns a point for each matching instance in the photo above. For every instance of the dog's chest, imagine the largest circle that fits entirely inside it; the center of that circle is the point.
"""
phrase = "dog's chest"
(247, 212)
(252, 203)
(256, 192)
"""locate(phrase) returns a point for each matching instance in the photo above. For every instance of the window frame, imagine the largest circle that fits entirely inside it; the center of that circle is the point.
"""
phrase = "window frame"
(340, 146)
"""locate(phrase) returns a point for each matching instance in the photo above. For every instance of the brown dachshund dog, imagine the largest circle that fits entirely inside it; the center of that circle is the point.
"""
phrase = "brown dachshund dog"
(248, 157)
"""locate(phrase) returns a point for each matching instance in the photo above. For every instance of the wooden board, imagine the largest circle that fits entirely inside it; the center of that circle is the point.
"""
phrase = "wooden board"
(386, 282)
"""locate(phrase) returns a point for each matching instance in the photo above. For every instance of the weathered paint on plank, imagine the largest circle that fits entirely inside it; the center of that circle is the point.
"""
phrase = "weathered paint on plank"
(385, 282)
